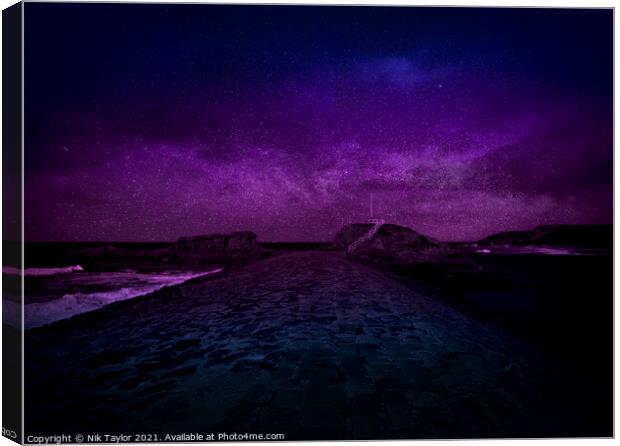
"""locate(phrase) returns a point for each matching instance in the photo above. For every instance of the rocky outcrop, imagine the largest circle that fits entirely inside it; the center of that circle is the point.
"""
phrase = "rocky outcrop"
(508, 238)
(204, 249)
(349, 233)
(104, 251)
(393, 244)
(595, 236)
(216, 248)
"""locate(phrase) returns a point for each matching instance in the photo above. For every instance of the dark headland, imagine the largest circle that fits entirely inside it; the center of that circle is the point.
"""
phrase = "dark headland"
(393, 336)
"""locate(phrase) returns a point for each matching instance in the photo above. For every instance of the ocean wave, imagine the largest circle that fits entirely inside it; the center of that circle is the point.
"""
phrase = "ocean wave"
(43, 313)
(539, 250)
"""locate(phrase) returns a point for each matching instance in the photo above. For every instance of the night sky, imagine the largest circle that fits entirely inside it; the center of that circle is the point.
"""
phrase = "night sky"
(151, 122)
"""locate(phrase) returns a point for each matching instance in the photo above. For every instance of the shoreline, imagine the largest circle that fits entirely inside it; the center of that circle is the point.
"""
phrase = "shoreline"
(70, 305)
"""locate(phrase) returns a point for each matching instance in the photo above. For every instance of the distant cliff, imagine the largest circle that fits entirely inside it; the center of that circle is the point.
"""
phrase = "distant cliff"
(216, 247)
(202, 249)
(594, 236)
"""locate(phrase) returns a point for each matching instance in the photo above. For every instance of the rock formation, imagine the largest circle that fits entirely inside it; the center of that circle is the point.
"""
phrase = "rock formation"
(216, 248)
(394, 244)
(556, 235)
(349, 233)
(203, 249)
(104, 251)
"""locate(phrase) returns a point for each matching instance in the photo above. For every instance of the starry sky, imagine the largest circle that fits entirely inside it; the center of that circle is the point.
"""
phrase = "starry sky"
(151, 122)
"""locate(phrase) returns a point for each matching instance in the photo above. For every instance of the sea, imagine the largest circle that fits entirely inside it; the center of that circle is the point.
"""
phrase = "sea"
(55, 289)
(60, 283)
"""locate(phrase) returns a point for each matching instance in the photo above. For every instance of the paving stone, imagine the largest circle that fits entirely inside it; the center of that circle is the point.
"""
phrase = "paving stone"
(310, 340)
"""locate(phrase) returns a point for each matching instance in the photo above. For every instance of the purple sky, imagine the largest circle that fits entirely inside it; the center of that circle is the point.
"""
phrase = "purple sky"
(186, 135)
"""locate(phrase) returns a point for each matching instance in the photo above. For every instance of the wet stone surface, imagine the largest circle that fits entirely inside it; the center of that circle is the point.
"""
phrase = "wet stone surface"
(308, 344)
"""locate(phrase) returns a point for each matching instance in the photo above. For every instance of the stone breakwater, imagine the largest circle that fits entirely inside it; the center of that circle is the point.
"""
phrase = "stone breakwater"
(308, 344)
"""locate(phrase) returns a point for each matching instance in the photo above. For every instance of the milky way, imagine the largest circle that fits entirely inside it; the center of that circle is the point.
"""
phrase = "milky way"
(151, 122)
